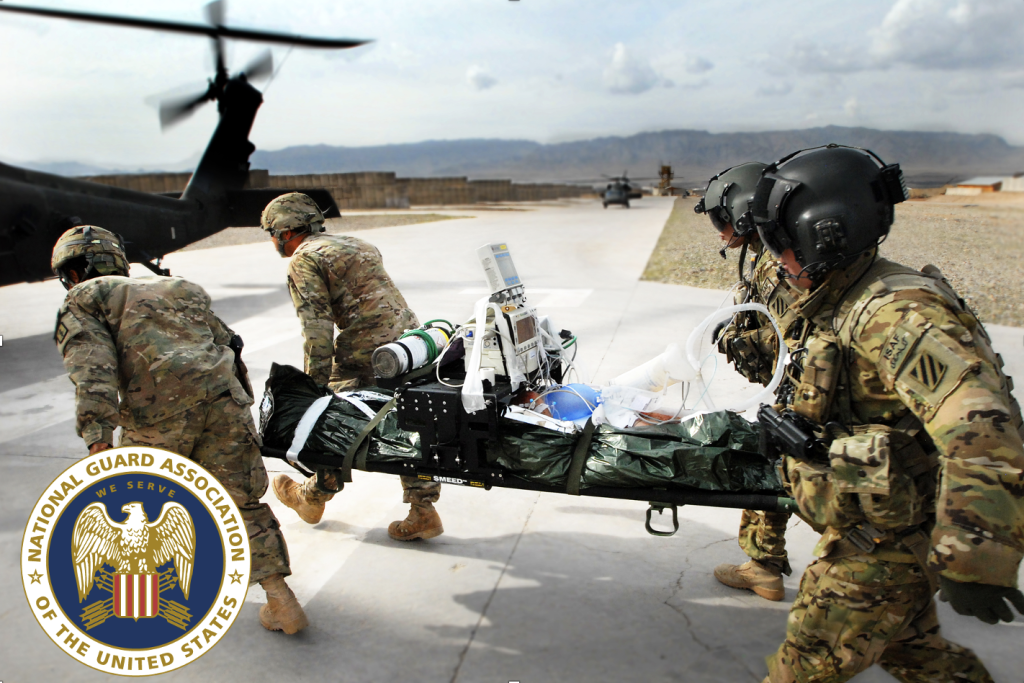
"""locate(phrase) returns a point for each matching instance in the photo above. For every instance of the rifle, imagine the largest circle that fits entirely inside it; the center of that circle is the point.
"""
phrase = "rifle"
(789, 434)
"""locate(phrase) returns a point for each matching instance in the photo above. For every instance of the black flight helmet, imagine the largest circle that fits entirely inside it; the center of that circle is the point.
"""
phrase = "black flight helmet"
(828, 204)
(727, 198)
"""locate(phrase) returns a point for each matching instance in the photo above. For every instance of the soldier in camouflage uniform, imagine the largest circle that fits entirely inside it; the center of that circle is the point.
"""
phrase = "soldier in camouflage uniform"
(182, 387)
(919, 481)
(749, 342)
(340, 281)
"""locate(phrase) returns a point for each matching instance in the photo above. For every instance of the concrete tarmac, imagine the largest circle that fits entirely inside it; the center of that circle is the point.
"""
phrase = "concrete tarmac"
(522, 586)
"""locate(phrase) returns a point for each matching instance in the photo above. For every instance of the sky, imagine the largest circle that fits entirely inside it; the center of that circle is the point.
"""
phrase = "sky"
(542, 70)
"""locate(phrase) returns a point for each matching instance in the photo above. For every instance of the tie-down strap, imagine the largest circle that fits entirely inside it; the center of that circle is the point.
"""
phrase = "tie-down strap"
(356, 453)
(579, 459)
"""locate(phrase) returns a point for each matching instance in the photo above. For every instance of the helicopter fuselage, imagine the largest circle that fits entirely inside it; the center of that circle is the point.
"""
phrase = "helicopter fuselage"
(35, 208)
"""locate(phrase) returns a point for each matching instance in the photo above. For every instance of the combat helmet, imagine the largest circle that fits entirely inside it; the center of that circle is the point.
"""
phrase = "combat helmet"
(91, 250)
(828, 204)
(727, 198)
(293, 211)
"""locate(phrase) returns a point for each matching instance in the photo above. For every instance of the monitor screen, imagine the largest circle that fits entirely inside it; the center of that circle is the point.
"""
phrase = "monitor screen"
(526, 329)
(503, 260)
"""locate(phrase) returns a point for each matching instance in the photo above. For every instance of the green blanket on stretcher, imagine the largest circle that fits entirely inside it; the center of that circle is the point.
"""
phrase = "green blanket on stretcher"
(713, 452)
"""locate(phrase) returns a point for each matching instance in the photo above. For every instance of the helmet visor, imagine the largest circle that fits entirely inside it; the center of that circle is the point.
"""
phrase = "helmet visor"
(768, 209)
(773, 237)
(719, 218)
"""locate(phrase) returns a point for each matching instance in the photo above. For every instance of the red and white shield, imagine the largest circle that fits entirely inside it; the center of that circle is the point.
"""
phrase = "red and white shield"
(136, 596)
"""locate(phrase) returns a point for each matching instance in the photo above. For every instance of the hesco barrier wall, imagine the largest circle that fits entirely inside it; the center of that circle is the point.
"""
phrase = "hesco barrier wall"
(371, 189)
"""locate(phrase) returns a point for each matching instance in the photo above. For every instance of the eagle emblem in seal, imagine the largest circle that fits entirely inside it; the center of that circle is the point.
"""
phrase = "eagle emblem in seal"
(136, 548)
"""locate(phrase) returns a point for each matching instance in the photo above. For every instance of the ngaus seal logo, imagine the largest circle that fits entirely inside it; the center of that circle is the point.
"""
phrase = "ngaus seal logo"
(135, 561)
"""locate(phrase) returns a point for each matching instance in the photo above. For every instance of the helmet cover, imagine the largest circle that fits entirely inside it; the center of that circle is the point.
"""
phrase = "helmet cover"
(102, 249)
(293, 211)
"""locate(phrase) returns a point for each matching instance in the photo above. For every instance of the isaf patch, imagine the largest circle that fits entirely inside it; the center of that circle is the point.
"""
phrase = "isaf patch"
(894, 353)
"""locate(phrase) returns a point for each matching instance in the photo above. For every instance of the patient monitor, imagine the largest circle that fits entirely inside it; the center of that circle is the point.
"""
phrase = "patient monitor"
(511, 341)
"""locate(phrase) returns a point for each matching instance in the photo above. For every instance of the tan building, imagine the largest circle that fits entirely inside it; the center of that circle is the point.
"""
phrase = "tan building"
(976, 186)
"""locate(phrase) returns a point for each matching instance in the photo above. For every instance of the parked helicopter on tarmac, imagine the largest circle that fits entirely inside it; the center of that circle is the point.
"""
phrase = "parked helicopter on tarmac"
(36, 208)
(619, 191)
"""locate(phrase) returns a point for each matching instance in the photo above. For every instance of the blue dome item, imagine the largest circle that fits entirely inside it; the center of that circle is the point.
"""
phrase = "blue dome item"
(572, 401)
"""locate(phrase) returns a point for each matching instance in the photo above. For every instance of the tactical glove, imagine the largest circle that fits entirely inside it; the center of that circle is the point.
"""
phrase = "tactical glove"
(981, 600)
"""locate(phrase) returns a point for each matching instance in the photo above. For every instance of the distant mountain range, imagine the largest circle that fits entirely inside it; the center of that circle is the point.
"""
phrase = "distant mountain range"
(927, 158)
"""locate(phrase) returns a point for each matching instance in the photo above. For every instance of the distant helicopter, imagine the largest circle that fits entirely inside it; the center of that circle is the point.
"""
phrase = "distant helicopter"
(619, 191)
(35, 208)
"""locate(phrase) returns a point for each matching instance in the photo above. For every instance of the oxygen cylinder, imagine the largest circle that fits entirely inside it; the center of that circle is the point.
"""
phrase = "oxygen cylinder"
(413, 350)
(661, 371)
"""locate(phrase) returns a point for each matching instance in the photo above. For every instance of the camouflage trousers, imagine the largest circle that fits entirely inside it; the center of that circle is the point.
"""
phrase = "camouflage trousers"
(853, 612)
(763, 537)
(422, 493)
(221, 436)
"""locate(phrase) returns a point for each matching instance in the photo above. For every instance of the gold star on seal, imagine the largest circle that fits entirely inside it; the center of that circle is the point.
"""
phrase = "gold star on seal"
(236, 577)
(35, 576)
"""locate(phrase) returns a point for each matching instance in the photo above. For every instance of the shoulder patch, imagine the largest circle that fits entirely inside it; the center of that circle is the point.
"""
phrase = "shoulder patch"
(897, 347)
(924, 362)
(67, 328)
(928, 370)
(779, 306)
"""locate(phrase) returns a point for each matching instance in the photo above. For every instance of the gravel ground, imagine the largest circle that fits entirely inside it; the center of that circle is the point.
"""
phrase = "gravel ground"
(977, 242)
(349, 223)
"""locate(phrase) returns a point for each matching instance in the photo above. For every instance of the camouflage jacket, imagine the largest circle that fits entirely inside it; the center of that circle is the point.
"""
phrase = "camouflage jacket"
(340, 280)
(887, 345)
(153, 340)
(749, 341)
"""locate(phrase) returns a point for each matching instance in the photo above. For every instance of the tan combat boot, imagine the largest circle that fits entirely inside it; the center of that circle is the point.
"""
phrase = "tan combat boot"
(309, 507)
(764, 579)
(282, 611)
(422, 522)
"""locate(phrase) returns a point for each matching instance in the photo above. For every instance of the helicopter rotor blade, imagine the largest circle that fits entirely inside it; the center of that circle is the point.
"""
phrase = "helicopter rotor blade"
(219, 66)
(215, 15)
(260, 67)
(193, 29)
(174, 110)
(215, 12)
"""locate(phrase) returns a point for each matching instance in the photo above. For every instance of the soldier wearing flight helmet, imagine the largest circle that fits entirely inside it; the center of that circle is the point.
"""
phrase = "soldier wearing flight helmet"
(917, 484)
(749, 343)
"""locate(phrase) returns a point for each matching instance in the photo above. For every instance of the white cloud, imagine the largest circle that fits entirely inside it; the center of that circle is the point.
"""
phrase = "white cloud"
(479, 78)
(852, 107)
(774, 90)
(1015, 80)
(950, 34)
(629, 74)
(695, 85)
(838, 59)
(935, 101)
(697, 65)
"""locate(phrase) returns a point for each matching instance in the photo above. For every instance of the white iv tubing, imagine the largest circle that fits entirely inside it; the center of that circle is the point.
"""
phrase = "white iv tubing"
(693, 344)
